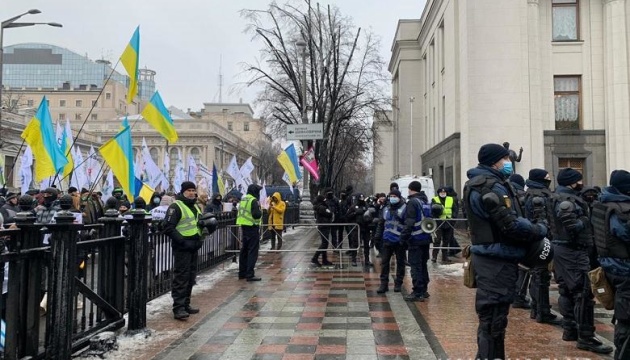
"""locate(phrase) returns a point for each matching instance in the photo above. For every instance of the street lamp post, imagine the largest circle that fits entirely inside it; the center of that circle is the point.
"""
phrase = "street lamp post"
(301, 45)
(8, 24)
(411, 99)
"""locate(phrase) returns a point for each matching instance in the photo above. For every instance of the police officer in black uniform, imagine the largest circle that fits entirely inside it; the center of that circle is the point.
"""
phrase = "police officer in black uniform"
(500, 238)
(611, 223)
(521, 301)
(572, 239)
(537, 206)
(181, 226)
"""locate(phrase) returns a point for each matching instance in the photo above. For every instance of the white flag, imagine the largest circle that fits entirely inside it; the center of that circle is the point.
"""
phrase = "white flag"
(232, 168)
(79, 176)
(108, 186)
(152, 174)
(264, 201)
(180, 172)
(26, 172)
(192, 170)
(244, 179)
(92, 167)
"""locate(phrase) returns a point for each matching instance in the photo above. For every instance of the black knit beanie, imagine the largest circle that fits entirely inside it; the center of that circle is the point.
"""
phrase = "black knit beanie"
(489, 154)
(568, 177)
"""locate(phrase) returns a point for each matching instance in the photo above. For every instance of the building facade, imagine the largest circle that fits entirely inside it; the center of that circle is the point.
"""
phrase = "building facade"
(550, 76)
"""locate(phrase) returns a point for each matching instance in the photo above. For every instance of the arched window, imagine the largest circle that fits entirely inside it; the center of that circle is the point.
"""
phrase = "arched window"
(154, 154)
(196, 154)
(173, 156)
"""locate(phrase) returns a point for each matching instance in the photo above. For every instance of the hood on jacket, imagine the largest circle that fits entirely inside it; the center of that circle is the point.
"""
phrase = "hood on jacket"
(484, 170)
(534, 184)
(566, 190)
(277, 196)
(611, 194)
(421, 195)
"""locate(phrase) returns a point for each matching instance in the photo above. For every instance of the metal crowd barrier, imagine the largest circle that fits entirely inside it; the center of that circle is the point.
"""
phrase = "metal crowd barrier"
(446, 222)
(236, 233)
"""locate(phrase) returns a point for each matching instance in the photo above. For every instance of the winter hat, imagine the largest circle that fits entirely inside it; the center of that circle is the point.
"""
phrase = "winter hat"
(489, 154)
(568, 176)
(52, 191)
(11, 195)
(415, 186)
(117, 190)
(517, 179)
(393, 185)
(72, 189)
(139, 203)
(187, 185)
(620, 179)
(396, 193)
(537, 174)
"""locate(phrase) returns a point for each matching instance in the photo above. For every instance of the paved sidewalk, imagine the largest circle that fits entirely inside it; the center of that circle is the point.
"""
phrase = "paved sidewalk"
(302, 312)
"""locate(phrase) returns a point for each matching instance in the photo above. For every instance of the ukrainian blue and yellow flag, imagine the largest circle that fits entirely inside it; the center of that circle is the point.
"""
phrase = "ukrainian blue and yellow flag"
(65, 146)
(118, 154)
(288, 161)
(156, 114)
(41, 137)
(143, 190)
(130, 60)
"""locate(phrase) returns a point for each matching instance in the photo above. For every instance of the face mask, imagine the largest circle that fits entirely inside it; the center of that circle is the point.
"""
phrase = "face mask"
(156, 201)
(442, 195)
(118, 196)
(344, 196)
(507, 168)
(329, 196)
(578, 187)
(394, 200)
(546, 183)
(49, 200)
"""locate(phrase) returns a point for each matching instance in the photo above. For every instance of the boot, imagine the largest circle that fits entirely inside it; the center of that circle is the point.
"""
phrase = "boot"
(570, 334)
(593, 344)
(544, 315)
(273, 244)
(382, 289)
(180, 314)
(315, 261)
(279, 243)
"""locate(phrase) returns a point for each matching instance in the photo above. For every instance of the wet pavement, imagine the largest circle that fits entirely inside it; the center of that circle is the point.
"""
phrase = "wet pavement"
(299, 311)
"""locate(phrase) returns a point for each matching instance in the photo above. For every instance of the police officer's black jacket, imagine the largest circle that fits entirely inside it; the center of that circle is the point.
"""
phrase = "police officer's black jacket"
(611, 222)
(323, 213)
(173, 215)
(582, 236)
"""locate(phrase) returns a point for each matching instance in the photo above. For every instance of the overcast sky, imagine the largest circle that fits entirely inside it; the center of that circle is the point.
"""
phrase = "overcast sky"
(182, 40)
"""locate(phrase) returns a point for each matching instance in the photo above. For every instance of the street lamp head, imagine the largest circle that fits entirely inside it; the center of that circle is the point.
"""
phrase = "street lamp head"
(55, 24)
(34, 11)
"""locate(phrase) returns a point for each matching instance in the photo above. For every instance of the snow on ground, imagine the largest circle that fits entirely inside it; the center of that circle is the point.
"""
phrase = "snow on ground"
(454, 269)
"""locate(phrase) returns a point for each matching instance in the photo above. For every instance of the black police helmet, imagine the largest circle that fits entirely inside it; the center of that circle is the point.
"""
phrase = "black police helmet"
(539, 254)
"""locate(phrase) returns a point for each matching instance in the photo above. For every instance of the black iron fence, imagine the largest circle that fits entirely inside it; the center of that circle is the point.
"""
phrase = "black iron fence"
(67, 282)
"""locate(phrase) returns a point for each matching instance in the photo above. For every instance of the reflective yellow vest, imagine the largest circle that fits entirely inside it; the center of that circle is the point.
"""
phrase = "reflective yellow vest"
(187, 225)
(448, 207)
(245, 212)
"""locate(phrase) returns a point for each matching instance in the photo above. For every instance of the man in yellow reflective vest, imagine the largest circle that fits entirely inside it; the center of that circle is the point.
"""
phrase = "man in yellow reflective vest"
(445, 230)
(249, 219)
(181, 225)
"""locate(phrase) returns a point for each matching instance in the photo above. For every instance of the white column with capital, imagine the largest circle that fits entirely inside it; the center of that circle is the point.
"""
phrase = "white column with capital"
(617, 109)
(536, 150)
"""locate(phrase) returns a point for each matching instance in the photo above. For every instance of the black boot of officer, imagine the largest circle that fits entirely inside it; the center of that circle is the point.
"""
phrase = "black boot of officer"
(521, 301)
(539, 291)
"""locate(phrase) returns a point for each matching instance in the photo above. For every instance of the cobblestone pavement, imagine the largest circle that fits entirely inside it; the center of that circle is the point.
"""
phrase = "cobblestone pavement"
(301, 312)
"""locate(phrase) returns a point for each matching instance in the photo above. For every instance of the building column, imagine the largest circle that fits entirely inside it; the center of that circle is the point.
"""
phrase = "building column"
(536, 144)
(616, 84)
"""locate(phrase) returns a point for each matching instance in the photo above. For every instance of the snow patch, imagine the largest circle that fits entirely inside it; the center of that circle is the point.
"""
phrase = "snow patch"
(455, 269)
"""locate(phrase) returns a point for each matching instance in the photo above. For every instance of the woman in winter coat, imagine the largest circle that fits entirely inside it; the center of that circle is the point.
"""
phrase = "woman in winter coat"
(277, 207)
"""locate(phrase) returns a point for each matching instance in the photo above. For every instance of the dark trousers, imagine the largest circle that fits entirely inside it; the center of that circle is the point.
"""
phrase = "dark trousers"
(365, 239)
(389, 250)
(418, 255)
(184, 273)
(539, 292)
(337, 235)
(495, 292)
(522, 284)
(443, 239)
(571, 267)
(249, 252)
(324, 236)
(353, 239)
(621, 284)
(276, 234)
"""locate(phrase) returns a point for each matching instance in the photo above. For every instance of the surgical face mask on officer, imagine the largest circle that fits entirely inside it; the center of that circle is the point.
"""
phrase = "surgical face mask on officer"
(394, 200)
(156, 201)
(507, 168)
(578, 186)
(442, 194)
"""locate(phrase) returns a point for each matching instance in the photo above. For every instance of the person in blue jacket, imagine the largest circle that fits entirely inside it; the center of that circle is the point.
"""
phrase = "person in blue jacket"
(612, 239)
(388, 231)
(500, 236)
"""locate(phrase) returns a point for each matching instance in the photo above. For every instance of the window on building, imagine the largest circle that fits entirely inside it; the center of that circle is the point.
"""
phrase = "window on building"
(567, 102)
(196, 154)
(566, 22)
(442, 47)
(8, 165)
(78, 103)
(30, 103)
(108, 96)
(62, 117)
(575, 163)
(154, 154)
(62, 103)
(245, 126)
(94, 117)
(14, 103)
(77, 116)
(93, 103)
(230, 125)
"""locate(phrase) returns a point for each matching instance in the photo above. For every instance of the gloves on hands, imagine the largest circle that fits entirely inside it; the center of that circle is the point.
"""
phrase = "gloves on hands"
(570, 222)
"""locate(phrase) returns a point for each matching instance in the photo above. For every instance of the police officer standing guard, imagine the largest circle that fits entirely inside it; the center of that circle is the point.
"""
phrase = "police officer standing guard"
(181, 225)
(500, 238)
(572, 239)
(249, 218)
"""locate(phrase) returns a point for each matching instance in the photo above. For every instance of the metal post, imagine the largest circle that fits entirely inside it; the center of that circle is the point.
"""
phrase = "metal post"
(411, 99)
(137, 280)
(62, 286)
(112, 262)
(306, 193)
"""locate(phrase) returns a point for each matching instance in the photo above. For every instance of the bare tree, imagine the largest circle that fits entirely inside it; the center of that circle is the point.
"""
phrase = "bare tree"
(268, 169)
(12, 101)
(346, 79)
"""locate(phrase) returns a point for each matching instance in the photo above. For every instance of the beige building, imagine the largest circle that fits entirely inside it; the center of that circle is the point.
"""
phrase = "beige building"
(238, 118)
(550, 76)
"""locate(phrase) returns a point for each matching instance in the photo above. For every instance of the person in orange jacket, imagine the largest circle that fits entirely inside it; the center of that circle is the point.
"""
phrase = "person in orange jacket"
(277, 207)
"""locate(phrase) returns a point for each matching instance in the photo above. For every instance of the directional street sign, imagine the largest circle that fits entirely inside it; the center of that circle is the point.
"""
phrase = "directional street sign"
(305, 132)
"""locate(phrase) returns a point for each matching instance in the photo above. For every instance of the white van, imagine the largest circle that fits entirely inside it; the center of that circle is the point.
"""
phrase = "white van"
(403, 183)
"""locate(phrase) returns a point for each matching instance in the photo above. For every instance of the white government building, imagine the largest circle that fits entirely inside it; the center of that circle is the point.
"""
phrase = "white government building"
(551, 76)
